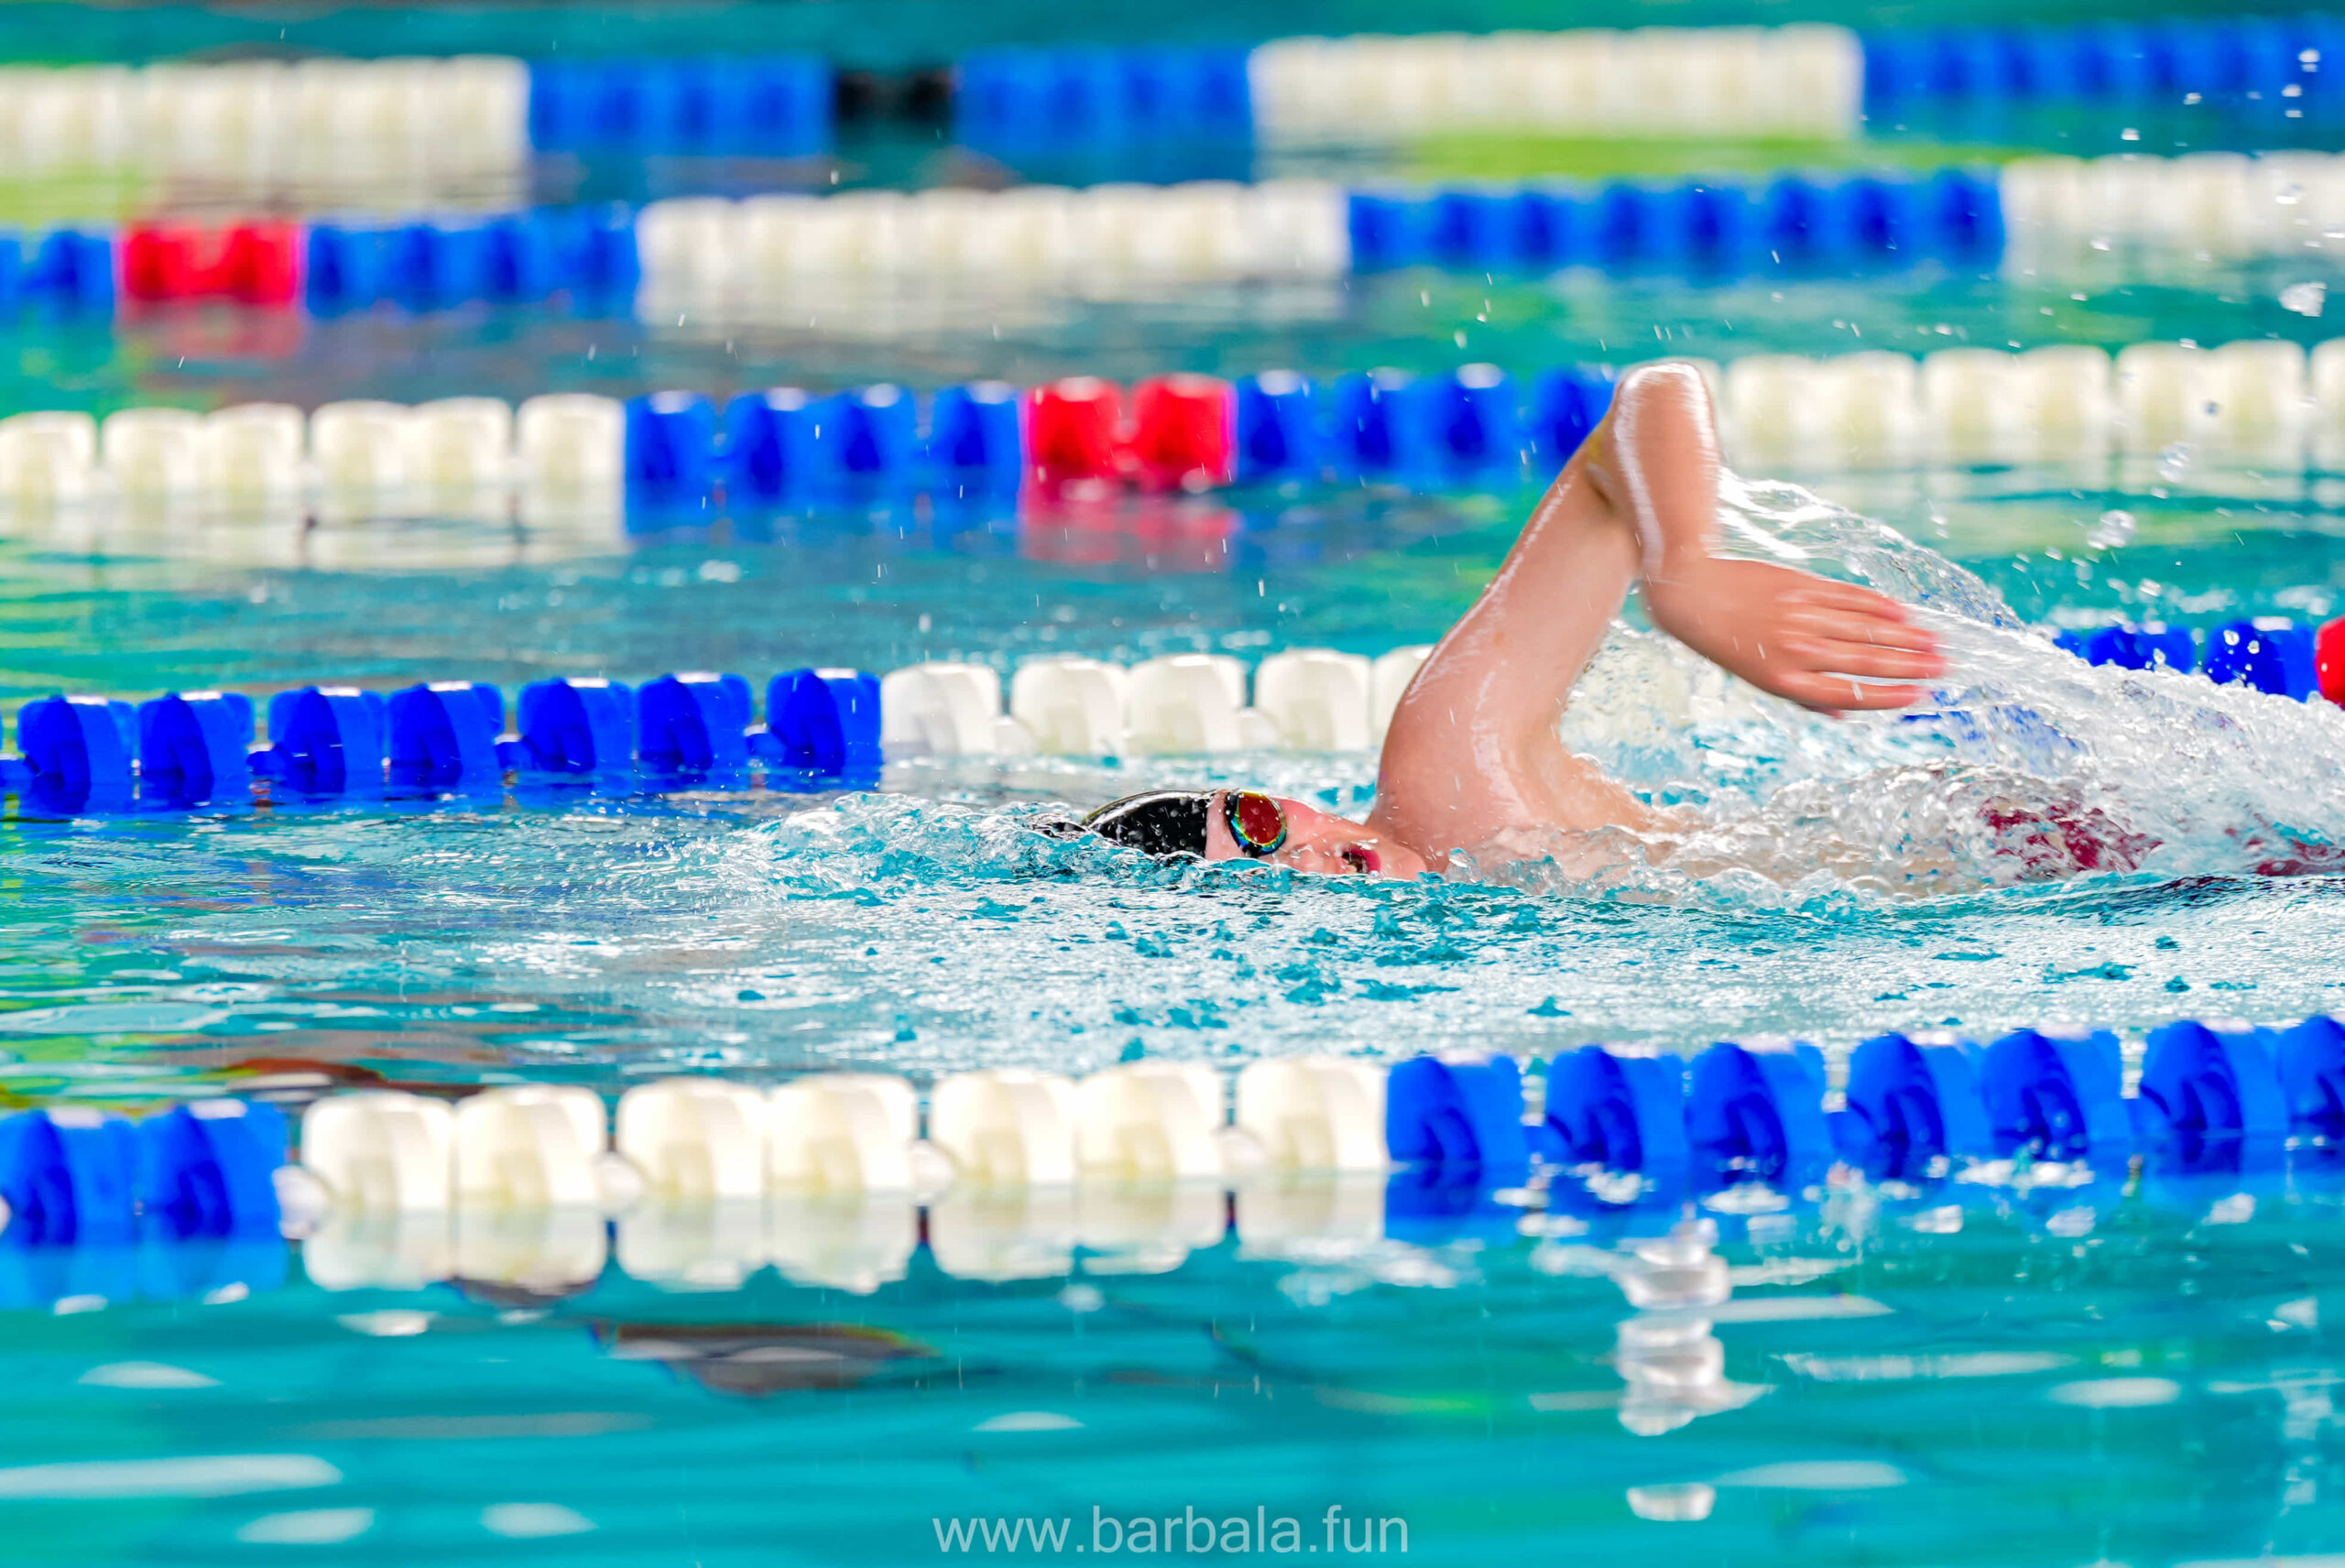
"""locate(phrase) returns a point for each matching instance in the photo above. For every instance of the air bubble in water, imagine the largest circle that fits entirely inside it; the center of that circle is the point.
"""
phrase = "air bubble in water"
(2115, 528)
(2173, 461)
(2304, 299)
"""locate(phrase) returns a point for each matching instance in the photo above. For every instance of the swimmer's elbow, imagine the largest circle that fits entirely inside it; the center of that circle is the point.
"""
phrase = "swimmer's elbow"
(1673, 386)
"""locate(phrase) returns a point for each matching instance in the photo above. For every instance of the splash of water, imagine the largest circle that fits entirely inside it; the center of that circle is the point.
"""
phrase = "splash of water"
(2026, 765)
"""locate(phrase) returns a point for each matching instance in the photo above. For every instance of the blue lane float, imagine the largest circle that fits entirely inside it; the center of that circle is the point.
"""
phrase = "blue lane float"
(577, 727)
(1566, 405)
(975, 441)
(1023, 100)
(2057, 1097)
(444, 737)
(880, 432)
(1914, 1106)
(69, 1175)
(1618, 1112)
(770, 105)
(821, 724)
(1275, 429)
(180, 1204)
(2205, 1083)
(2312, 1075)
(1456, 428)
(2151, 646)
(194, 748)
(208, 1167)
(1456, 1127)
(1461, 1114)
(77, 753)
(585, 253)
(70, 271)
(2245, 63)
(670, 449)
(1754, 1112)
(785, 446)
(1795, 224)
(774, 449)
(2269, 653)
(693, 727)
(326, 741)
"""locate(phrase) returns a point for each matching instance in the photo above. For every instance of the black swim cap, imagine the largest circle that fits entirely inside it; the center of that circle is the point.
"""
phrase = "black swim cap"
(1161, 822)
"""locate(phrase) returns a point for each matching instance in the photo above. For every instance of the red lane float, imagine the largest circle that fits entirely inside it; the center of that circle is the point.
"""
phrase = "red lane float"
(254, 262)
(1182, 432)
(264, 263)
(1073, 434)
(2328, 659)
(1180, 436)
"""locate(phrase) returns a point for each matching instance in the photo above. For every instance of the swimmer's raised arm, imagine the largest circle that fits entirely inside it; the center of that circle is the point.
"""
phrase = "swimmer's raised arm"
(1654, 459)
(1473, 759)
(1472, 755)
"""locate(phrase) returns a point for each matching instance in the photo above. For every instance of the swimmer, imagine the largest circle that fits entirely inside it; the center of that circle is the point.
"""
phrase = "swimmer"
(1473, 760)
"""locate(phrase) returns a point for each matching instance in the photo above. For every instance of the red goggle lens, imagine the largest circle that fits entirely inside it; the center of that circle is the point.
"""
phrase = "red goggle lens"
(1256, 821)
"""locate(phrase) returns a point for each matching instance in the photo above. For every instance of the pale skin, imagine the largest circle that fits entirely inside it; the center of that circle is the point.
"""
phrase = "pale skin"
(1473, 760)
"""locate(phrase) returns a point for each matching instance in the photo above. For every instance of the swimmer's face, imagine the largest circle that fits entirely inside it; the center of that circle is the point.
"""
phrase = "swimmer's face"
(1314, 841)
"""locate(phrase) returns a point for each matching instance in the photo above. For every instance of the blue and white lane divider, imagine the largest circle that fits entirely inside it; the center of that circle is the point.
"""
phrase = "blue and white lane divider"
(823, 729)
(710, 258)
(1805, 82)
(676, 456)
(827, 729)
(316, 123)
(1015, 1169)
(1800, 81)
(713, 260)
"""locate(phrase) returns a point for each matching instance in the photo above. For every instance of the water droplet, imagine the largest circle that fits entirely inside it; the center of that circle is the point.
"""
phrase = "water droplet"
(2113, 528)
(2304, 299)
(2173, 461)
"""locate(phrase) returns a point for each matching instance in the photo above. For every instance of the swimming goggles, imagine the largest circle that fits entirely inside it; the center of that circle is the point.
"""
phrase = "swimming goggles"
(1257, 822)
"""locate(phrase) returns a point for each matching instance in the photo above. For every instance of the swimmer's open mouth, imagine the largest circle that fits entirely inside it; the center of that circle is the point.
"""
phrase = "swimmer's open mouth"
(1362, 859)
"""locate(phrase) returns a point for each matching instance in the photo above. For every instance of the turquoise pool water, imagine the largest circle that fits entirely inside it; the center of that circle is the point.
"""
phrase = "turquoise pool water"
(2156, 1387)
(2135, 1371)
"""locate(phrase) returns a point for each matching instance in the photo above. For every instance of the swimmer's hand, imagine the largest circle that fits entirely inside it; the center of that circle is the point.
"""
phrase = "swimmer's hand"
(1795, 634)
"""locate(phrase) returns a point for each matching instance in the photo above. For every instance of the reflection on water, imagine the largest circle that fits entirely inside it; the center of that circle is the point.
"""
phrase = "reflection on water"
(768, 1358)
(1675, 1367)
(1831, 1385)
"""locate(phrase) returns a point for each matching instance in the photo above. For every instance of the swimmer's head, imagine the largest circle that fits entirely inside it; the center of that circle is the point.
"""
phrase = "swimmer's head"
(1231, 824)
(1160, 821)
